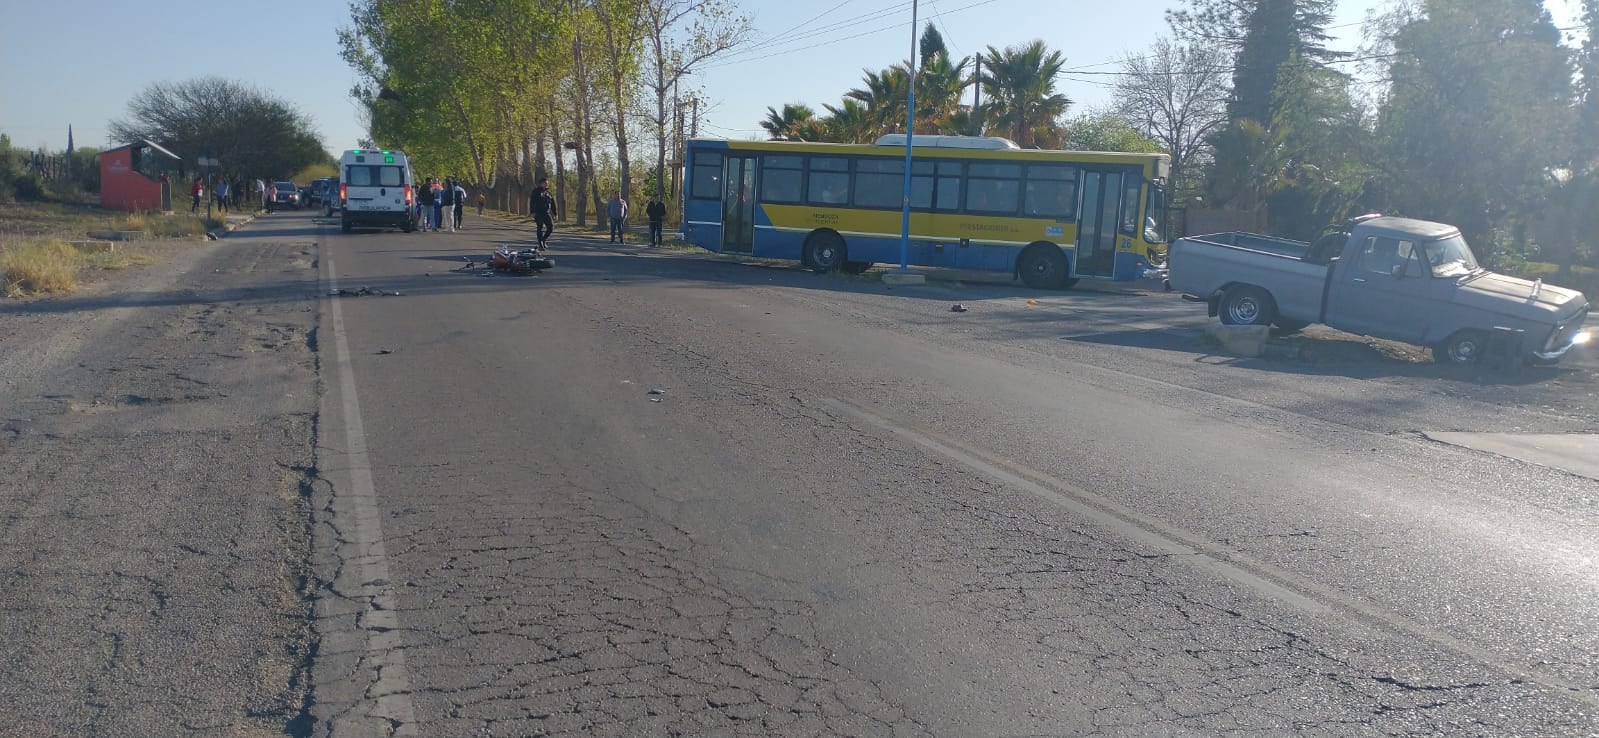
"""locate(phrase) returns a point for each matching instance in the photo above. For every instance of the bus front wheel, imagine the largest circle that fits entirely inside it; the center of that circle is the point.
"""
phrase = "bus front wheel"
(1043, 267)
(825, 251)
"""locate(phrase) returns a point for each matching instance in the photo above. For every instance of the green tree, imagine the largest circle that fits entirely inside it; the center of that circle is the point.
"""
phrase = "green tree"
(789, 122)
(1478, 117)
(850, 122)
(931, 43)
(884, 95)
(939, 86)
(1177, 94)
(1019, 83)
(250, 131)
(1105, 130)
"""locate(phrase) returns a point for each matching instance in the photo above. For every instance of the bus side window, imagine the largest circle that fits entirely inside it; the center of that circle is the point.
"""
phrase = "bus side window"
(993, 188)
(948, 186)
(1051, 192)
(706, 184)
(828, 181)
(781, 177)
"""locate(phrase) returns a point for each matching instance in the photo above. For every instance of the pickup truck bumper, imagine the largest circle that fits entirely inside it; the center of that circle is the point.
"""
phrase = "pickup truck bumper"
(1555, 353)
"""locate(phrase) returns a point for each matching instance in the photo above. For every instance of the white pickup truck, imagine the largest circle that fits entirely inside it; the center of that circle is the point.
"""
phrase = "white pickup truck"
(1404, 280)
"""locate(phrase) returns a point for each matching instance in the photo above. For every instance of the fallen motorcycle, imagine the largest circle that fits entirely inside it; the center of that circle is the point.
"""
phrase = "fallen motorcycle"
(514, 261)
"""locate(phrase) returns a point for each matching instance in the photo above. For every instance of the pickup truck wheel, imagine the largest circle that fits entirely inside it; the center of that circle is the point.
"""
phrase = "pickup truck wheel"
(1247, 306)
(1465, 348)
(1043, 267)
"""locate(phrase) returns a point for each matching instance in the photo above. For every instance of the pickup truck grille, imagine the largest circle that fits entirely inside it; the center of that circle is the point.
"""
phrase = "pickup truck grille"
(1564, 332)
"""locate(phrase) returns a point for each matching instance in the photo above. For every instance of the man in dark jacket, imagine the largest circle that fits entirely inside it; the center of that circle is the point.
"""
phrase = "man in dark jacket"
(656, 211)
(543, 207)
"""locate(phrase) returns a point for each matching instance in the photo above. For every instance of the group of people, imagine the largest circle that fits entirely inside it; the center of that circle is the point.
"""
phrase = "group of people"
(542, 205)
(440, 203)
(223, 195)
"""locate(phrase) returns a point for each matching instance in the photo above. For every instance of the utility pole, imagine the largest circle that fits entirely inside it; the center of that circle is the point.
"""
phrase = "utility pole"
(910, 130)
(977, 94)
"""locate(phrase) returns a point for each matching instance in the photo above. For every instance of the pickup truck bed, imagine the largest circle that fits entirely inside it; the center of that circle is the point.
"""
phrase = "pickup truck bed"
(1207, 265)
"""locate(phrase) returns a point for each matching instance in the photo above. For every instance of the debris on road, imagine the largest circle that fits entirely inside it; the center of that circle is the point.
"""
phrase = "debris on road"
(341, 292)
(385, 351)
(957, 308)
(657, 391)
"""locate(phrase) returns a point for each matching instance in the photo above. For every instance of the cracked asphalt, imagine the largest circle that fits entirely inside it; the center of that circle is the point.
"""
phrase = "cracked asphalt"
(843, 511)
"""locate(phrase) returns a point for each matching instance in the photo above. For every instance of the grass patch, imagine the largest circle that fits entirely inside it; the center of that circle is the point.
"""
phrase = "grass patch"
(70, 222)
(50, 265)
(1582, 278)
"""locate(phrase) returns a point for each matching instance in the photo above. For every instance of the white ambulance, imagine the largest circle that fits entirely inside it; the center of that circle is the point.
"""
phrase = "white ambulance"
(376, 190)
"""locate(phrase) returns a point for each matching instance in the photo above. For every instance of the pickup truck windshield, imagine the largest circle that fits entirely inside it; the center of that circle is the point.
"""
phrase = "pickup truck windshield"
(1450, 257)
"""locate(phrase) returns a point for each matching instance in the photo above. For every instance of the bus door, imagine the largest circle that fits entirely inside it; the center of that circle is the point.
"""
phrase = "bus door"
(738, 203)
(1096, 227)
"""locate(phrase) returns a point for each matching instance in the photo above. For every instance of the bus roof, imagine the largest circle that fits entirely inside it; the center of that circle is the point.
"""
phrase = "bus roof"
(953, 152)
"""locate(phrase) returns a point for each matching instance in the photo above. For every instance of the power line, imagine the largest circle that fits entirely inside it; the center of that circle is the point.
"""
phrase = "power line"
(809, 47)
(813, 33)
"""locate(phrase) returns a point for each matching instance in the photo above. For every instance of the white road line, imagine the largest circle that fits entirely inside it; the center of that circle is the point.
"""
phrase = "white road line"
(385, 708)
(1266, 579)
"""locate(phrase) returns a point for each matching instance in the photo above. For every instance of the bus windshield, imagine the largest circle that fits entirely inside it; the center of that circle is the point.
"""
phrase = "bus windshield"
(1155, 217)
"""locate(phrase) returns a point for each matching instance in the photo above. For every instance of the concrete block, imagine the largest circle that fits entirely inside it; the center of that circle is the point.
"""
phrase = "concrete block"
(1244, 340)
(94, 247)
(895, 277)
(117, 235)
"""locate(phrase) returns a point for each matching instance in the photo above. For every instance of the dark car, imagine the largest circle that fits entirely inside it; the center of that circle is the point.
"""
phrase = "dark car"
(288, 195)
(323, 191)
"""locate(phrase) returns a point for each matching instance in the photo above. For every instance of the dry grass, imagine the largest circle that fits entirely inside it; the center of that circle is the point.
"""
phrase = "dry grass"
(48, 265)
(69, 222)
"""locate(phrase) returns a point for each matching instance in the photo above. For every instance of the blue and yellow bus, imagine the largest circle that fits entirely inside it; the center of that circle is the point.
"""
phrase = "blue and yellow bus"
(1049, 218)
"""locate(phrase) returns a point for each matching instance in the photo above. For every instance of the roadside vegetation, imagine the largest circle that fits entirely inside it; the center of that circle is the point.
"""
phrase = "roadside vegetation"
(37, 254)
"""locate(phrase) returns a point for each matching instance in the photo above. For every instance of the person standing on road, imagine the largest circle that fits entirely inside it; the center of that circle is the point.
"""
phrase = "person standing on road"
(222, 195)
(424, 203)
(480, 200)
(460, 203)
(656, 210)
(617, 210)
(543, 207)
(441, 199)
(271, 196)
(198, 191)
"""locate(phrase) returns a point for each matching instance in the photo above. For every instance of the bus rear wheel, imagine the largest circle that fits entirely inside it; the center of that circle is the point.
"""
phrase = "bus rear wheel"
(1043, 267)
(825, 251)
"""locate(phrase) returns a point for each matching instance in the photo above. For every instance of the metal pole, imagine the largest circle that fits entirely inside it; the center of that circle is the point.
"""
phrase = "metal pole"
(910, 129)
(977, 94)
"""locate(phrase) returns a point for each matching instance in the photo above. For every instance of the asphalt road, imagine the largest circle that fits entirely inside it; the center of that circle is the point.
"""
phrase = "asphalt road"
(646, 494)
(850, 511)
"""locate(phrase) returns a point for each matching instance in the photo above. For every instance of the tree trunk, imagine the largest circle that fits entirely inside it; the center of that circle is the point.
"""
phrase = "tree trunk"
(660, 118)
(560, 166)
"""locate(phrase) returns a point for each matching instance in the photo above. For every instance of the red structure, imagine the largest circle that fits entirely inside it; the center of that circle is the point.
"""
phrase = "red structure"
(131, 177)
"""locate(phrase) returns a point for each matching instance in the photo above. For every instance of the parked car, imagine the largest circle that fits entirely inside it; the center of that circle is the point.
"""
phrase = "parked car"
(288, 195)
(323, 190)
(1405, 280)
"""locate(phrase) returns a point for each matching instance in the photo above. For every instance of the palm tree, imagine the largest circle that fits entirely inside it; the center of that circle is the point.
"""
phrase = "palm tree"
(1020, 84)
(850, 122)
(938, 93)
(789, 122)
(884, 97)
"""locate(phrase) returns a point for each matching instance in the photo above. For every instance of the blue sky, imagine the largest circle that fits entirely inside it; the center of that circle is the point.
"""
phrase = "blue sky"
(79, 61)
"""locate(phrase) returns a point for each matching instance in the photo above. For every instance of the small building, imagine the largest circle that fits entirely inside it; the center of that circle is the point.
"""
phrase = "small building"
(134, 177)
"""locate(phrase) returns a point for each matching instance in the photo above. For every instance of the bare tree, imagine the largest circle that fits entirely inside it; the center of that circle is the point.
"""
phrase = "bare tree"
(1176, 95)
(680, 35)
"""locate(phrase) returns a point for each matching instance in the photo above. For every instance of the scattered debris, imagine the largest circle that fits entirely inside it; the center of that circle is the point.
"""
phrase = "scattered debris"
(957, 308)
(342, 292)
(385, 351)
(210, 236)
(657, 391)
(1031, 303)
(655, 399)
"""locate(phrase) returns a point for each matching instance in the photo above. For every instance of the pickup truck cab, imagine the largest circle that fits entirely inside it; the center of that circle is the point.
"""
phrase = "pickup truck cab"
(1395, 278)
